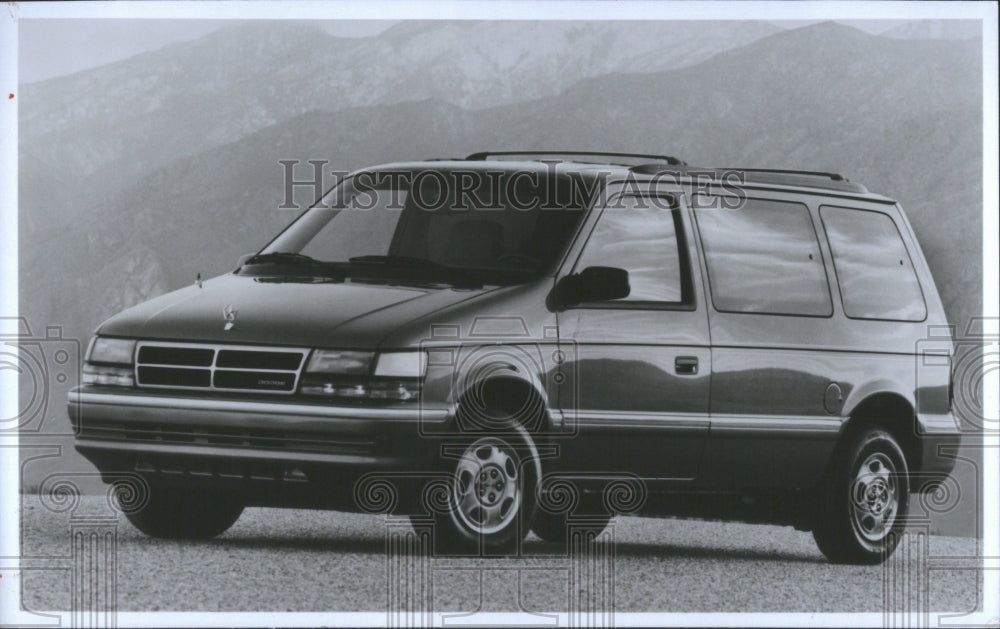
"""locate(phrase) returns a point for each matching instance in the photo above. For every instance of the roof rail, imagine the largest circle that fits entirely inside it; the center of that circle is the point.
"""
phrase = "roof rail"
(652, 168)
(810, 178)
(782, 171)
(485, 155)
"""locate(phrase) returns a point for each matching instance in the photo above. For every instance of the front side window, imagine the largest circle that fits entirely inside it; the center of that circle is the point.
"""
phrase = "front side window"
(876, 275)
(640, 235)
(764, 257)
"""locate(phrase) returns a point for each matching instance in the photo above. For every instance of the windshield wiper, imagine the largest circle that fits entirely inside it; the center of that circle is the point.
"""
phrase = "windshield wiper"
(399, 261)
(300, 279)
(303, 265)
(281, 257)
(460, 276)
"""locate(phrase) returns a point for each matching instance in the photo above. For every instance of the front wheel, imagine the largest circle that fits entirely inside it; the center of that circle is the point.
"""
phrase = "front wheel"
(491, 494)
(173, 513)
(864, 501)
(555, 527)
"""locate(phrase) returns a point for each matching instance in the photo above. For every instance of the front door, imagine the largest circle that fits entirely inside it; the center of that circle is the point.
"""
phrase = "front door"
(638, 368)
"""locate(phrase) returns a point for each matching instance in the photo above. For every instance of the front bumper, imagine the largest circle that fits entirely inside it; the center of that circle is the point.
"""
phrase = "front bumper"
(261, 446)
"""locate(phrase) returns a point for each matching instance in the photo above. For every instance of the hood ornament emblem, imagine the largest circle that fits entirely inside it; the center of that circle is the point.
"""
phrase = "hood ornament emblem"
(229, 313)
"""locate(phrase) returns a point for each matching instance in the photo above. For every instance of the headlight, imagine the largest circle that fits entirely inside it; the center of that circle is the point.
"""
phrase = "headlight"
(401, 365)
(109, 362)
(108, 376)
(340, 362)
(397, 376)
(108, 351)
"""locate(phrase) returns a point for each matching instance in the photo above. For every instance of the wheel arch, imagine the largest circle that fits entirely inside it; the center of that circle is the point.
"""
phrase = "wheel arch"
(892, 411)
(504, 397)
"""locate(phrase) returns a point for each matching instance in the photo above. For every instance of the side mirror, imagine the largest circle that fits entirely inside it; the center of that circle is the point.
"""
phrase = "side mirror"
(594, 283)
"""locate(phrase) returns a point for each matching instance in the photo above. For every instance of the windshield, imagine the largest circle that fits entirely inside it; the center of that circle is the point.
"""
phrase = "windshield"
(490, 227)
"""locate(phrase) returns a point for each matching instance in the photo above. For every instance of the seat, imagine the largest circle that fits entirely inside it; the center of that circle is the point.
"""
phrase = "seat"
(474, 243)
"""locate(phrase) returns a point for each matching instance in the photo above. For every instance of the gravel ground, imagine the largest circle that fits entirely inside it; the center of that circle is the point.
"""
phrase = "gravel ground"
(295, 560)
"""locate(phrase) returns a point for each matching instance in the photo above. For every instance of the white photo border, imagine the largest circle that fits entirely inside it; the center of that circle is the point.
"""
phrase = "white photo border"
(11, 13)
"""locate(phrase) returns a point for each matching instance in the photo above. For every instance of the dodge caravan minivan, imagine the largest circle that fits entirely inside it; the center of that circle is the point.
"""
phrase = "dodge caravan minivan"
(535, 342)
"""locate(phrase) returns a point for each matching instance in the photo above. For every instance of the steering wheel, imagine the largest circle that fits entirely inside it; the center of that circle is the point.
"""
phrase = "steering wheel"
(520, 259)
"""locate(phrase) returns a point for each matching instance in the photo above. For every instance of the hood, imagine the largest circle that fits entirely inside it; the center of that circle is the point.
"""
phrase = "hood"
(340, 315)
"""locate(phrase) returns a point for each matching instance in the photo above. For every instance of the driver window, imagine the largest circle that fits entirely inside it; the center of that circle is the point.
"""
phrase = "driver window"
(639, 234)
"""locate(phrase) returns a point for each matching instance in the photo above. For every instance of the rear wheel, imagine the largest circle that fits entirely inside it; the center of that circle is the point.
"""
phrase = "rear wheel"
(864, 501)
(173, 513)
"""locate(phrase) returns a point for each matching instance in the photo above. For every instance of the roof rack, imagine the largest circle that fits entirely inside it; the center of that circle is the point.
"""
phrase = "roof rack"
(811, 178)
(781, 171)
(485, 155)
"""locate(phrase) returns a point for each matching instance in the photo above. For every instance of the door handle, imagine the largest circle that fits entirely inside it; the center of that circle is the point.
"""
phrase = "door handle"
(686, 365)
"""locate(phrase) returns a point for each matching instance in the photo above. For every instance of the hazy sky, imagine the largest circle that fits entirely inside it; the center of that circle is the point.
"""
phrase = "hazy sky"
(54, 47)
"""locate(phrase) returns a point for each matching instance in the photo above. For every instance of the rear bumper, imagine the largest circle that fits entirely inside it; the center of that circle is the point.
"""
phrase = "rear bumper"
(264, 448)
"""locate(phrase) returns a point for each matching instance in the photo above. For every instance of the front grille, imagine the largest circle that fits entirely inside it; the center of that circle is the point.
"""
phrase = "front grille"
(220, 436)
(218, 367)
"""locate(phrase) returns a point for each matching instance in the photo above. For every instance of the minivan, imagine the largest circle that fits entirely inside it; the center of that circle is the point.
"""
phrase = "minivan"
(536, 342)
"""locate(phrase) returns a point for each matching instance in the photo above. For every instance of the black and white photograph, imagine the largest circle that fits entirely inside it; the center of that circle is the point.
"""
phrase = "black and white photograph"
(535, 314)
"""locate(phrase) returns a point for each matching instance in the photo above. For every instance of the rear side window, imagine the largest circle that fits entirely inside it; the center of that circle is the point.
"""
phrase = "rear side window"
(764, 258)
(876, 275)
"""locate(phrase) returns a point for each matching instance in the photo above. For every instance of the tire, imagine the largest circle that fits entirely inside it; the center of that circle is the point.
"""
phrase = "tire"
(862, 508)
(555, 527)
(182, 514)
(491, 494)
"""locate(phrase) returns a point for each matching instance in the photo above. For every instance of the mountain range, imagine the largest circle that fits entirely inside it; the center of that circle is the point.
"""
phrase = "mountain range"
(94, 132)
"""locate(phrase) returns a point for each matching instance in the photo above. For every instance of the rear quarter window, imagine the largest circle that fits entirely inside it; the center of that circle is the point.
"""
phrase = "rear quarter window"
(876, 275)
(764, 258)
